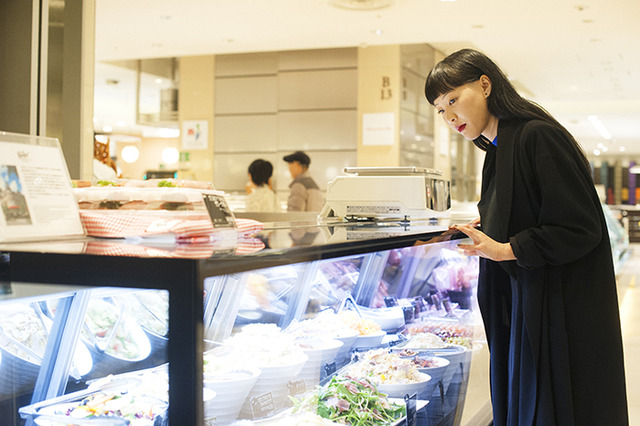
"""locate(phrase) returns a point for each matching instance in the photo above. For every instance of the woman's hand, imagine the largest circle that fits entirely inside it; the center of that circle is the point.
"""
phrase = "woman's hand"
(483, 245)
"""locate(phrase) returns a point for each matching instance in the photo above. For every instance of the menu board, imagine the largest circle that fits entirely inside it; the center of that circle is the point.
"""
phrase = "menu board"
(36, 196)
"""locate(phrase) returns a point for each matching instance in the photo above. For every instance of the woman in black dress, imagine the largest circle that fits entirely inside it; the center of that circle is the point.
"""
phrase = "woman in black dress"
(546, 287)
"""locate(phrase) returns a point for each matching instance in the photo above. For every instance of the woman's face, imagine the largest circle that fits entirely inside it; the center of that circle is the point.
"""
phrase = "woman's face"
(465, 110)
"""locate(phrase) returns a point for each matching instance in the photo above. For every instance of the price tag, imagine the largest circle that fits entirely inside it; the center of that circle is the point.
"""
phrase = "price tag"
(296, 388)
(219, 211)
(412, 412)
(263, 406)
(329, 369)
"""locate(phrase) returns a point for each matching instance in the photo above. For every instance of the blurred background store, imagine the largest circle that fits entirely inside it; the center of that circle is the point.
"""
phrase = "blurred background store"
(199, 89)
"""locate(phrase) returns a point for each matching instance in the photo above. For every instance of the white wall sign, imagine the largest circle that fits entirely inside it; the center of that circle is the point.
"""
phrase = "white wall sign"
(378, 128)
(195, 134)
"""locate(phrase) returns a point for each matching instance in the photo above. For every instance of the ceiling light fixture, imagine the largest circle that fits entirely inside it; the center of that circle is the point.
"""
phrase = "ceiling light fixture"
(595, 121)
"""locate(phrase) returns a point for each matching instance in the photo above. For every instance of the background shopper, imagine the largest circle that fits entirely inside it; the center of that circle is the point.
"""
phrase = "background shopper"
(304, 193)
(546, 289)
(260, 196)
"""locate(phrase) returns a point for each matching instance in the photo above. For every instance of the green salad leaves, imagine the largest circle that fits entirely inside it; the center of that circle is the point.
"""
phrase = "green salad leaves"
(351, 401)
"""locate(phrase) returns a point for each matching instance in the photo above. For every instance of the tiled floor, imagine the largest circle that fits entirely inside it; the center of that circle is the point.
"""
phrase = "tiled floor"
(629, 295)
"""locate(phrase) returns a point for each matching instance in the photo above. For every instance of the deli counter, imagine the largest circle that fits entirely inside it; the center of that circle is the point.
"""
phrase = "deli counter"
(245, 331)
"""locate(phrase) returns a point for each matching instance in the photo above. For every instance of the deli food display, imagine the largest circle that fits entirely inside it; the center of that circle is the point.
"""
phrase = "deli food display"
(380, 337)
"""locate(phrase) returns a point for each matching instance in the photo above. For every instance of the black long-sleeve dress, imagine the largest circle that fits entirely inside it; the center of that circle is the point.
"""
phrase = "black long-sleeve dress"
(551, 317)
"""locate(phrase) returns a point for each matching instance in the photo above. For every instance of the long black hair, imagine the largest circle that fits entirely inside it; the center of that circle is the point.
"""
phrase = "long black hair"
(504, 102)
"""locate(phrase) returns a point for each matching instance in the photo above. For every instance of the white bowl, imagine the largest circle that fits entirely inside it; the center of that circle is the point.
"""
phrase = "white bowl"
(348, 339)
(208, 398)
(389, 319)
(232, 389)
(454, 353)
(369, 341)
(436, 372)
(318, 358)
(399, 390)
(273, 380)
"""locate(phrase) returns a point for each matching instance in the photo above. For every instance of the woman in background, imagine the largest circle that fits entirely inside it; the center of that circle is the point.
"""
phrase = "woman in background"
(260, 196)
(546, 285)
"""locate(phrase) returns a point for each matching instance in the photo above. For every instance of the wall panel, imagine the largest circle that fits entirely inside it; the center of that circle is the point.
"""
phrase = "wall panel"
(315, 129)
(246, 95)
(246, 133)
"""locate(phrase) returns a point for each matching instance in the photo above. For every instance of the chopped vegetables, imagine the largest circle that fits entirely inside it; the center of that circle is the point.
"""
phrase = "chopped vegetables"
(166, 184)
(382, 368)
(350, 401)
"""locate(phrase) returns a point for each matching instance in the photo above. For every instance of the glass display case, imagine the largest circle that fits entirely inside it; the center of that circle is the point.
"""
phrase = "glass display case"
(124, 333)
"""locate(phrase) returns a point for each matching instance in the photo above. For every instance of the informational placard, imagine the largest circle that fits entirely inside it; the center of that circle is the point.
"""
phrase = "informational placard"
(36, 195)
(219, 211)
(195, 134)
(378, 128)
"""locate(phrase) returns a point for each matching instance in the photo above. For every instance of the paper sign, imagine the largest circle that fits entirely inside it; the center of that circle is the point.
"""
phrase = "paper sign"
(36, 197)
(378, 129)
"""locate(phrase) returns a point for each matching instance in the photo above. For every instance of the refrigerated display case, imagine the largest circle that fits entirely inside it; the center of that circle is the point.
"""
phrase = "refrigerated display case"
(222, 337)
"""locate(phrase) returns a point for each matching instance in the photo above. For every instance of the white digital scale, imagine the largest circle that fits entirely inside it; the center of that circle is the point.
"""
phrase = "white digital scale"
(388, 192)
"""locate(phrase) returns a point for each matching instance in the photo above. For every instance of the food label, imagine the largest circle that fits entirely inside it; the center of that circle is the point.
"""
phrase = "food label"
(412, 412)
(263, 406)
(329, 368)
(219, 211)
(296, 388)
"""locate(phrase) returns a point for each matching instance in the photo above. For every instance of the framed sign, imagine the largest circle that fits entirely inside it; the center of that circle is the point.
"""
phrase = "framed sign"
(36, 196)
(195, 134)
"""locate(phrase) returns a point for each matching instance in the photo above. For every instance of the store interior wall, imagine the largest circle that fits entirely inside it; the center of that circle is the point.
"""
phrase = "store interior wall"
(266, 105)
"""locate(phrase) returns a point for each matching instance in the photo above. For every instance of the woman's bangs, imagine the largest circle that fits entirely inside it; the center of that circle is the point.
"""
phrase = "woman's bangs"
(438, 83)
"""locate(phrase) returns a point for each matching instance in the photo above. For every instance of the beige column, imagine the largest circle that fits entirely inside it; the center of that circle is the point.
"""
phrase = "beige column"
(379, 92)
(195, 102)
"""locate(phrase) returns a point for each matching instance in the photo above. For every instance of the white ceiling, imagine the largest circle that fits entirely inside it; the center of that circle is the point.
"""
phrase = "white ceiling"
(575, 57)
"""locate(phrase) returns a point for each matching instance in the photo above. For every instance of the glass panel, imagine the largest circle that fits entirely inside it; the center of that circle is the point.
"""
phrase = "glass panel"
(80, 353)
(310, 324)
